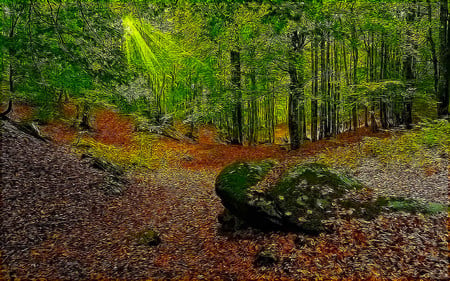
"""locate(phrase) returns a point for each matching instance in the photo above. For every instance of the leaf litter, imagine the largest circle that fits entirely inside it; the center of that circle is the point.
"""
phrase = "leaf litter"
(57, 224)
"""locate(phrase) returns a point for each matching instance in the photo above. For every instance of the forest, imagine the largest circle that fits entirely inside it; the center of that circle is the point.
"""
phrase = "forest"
(224, 140)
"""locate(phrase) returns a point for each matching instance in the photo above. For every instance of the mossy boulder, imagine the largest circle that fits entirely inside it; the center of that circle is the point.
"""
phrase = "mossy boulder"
(233, 187)
(304, 197)
(300, 199)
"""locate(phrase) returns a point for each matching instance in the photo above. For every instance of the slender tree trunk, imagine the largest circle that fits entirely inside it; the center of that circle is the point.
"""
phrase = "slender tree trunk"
(329, 67)
(271, 104)
(444, 65)
(366, 116)
(252, 114)
(383, 117)
(355, 77)
(296, 106)
(382, 57)
(355, 81)
(293, 123)
(235, 57)
(12, 50)
(409, 68)
(373, 122)
(337, 81)
(433, 48)
(314, 89)
(323, 90)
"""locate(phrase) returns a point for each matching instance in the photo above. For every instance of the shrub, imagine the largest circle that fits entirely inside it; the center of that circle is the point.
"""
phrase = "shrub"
(139, 154)
(420, 147)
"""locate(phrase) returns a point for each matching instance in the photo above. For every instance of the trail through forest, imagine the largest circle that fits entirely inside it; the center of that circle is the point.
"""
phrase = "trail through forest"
(57, 223)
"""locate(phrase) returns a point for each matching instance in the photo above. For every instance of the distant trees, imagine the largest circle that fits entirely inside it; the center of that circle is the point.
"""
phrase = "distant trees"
(321, 67)
(55, 48)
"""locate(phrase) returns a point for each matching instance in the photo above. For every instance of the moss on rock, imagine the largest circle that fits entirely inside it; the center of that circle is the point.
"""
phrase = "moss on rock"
(233, 184)
(306, 194)
(234, 181)
(148, 237)
(304, 197)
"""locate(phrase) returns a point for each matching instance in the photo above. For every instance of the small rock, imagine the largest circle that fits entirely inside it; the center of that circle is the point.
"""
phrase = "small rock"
(266, 257)
(187, 158)
(113, 186)
(148, 237)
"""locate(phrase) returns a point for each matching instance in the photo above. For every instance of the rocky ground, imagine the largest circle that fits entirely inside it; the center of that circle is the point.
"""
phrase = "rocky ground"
(57, 223)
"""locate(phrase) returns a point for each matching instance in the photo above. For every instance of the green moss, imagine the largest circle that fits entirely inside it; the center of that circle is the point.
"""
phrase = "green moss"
(372, 209)
(414, 206)
(148, 237)
(234, 181)
(312, 184)
(308, 192)
(303, 198)
(317, 174)
(237, 178)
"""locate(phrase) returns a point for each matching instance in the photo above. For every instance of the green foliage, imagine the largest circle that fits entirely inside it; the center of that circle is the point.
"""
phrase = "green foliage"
(434, 134)
(45, 114)
(173, 57)
(55, 47)
(413, 206)
(416, 148)
(138, 155)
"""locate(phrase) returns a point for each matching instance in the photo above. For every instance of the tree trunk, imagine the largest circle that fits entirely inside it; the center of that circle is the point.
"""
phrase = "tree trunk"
(373, 122)
(444, 65)
(433, 49)
(355, 80)
(366, 116)
(293, 123)
(329, 67)
(409, 68)
(235, 57)
(314, 90)
(11, 49)
(296, 106)
(252, 114)
(337, 81)
(323, 91)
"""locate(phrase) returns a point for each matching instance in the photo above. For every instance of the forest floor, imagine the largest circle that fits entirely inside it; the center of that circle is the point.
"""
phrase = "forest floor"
(57, 224)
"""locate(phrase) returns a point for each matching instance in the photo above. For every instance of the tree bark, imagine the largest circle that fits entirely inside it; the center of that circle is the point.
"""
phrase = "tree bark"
(433, 49)
(323, 91)
(293, 123)
(355, 79)
(409, 68)
(444, 65)
(314, 90)
(296, 106)
(235, 57)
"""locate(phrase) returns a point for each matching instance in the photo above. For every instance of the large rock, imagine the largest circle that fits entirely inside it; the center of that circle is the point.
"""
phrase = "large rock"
(304, 197)
(301, 199)
(233, 187)
(307, 194)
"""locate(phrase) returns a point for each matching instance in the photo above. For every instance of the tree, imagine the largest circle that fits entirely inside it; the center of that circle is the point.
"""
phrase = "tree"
(60, 47)
(444, 64)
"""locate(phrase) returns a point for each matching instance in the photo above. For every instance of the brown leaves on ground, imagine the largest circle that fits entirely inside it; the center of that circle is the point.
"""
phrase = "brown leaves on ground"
(56, 224)
(210, 155)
